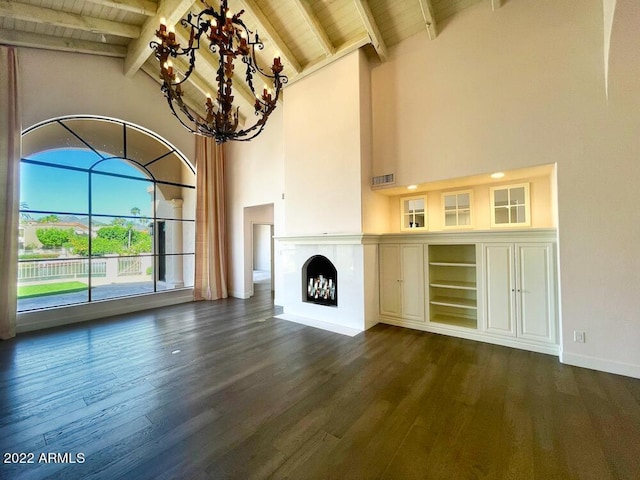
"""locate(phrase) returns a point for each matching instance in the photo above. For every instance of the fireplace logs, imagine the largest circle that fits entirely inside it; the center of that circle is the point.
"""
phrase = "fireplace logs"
(321, 280)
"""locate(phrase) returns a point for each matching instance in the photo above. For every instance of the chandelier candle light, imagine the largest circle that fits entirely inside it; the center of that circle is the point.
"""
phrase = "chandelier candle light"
(228, 39)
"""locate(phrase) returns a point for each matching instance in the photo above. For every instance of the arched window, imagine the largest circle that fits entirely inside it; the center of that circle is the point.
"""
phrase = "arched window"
(107, 210)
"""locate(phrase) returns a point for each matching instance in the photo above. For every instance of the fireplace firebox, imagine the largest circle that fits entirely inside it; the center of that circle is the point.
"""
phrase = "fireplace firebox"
(320, 281)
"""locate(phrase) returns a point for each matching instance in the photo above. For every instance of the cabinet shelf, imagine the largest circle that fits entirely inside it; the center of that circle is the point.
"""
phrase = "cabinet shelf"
(455, 320)
(453, 264)
(456, 285)
(453, 285)
(467, 303)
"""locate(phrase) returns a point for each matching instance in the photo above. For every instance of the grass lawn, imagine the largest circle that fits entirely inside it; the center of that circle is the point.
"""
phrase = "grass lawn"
(30, 291)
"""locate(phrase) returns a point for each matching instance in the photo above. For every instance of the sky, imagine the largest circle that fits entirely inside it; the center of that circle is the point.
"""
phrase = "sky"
(62, 190)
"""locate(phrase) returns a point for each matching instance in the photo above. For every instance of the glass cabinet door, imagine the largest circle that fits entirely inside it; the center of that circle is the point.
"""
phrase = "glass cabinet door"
(457, 209)
(510, 205)
(414, 213)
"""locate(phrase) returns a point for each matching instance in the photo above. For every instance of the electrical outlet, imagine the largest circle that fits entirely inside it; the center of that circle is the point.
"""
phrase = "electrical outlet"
(578, 336)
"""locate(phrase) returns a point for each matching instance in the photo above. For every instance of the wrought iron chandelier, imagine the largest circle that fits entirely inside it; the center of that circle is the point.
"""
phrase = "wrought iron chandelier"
(228, 39)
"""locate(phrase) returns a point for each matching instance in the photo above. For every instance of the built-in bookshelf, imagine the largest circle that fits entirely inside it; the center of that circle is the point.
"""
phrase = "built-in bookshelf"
(452, 285)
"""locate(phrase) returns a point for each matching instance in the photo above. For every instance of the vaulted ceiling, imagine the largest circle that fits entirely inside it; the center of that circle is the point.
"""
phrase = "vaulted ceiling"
(307, 34)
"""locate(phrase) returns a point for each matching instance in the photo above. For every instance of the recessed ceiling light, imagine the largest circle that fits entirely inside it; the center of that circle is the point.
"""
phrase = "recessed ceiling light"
(412, 187)
(497, 175)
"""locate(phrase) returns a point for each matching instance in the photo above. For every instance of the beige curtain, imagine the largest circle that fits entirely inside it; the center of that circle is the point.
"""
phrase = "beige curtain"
(10, 130)
(211, 243)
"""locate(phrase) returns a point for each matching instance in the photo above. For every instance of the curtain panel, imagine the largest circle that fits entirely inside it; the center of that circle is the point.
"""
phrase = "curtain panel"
(10, 131)
(211, 236)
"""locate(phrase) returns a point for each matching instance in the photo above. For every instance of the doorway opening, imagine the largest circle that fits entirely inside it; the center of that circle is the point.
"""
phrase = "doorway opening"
(262, 256)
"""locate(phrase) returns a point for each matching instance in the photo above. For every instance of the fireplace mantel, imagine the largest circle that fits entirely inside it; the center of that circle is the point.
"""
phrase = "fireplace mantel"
(331, 239)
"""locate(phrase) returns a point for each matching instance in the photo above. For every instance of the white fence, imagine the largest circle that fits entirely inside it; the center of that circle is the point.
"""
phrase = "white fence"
(104, 268)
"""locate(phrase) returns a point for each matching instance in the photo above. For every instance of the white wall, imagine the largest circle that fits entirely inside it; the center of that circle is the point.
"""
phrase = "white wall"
(323, 151)
(375, 206)
(522, 86)
(600, 280)
(255, 177)
(60, 83)
(494, 90)
(262, 247)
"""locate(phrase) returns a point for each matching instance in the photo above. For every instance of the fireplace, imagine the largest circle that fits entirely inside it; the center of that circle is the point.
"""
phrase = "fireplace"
(352, 257)
(320, 281)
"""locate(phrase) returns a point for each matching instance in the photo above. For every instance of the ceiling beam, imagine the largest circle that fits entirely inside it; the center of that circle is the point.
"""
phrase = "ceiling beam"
(56, 18)
(142, 7)
(139, 50)
(429, 18)
(372, 28)
(315, 26)
(265, 26)
(496, 4)
(340, 52)
(46, 42)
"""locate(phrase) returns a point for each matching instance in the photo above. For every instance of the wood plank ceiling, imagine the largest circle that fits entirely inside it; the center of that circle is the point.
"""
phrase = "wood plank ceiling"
(308, 34)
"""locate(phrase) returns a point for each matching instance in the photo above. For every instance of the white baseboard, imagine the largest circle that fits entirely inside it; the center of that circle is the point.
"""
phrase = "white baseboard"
(332, 327)
(241, 295)
(604, 365)
(55, 317)
(469, 334)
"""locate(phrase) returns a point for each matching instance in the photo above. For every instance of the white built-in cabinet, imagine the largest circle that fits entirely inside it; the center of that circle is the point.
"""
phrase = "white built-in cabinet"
(402, 281)
(497, 287)
(520, 291)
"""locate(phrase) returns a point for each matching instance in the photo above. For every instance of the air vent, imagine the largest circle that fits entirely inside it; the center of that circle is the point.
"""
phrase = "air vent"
(383, 180)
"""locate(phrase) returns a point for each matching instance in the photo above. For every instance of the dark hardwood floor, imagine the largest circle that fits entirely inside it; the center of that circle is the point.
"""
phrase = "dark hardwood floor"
(215, 390)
